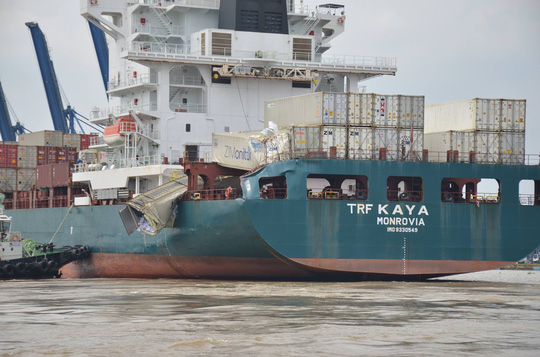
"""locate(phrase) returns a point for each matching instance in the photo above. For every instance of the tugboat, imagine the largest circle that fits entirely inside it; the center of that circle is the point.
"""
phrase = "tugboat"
(24, 258)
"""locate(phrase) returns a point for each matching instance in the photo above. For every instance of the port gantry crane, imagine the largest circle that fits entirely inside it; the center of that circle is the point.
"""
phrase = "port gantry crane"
(8, 130)
(63, 119)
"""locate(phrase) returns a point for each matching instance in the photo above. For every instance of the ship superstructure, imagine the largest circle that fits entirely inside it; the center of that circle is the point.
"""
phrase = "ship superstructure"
(184, 69)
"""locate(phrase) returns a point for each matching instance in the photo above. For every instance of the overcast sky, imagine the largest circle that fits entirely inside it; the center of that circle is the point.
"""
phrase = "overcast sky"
(445, 50)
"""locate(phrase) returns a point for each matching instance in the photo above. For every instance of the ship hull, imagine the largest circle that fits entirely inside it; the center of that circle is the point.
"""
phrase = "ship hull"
(302, 238)
(211, 241)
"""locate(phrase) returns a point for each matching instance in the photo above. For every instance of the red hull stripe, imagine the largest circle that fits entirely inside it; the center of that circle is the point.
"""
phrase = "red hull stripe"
(102, 265)
(401, 267)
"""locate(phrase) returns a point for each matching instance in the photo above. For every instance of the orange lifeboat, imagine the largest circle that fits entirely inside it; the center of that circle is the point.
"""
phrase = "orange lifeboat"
(114, 134)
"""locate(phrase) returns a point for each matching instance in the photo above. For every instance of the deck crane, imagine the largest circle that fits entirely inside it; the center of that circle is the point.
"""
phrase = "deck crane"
(63, 119)
(7, 130)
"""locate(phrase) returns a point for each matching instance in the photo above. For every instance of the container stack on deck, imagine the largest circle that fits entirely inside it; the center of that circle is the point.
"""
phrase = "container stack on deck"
(356, 126)
(393, 125)
(47, 151)
(361, 126)
(485, 131)
(316, 122)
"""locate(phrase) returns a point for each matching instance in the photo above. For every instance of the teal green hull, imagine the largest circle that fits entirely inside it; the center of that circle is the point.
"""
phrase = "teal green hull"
(302, 238)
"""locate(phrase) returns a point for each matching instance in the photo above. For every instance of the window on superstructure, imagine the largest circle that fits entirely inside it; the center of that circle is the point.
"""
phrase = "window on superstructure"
(529, 192)
(273, 187)
(221, 44)
(337, 187)
(301, 49)
(404, 188)
(188, 128)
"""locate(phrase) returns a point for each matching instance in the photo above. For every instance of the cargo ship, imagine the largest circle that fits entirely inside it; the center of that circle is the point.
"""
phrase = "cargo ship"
(321, 183)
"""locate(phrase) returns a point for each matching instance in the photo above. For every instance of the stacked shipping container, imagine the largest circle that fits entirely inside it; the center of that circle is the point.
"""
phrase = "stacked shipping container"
(19, 161)
(488, 131)
(358, 125)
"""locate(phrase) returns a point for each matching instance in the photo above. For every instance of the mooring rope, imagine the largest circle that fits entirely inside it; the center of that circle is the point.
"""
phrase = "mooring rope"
(61, 224)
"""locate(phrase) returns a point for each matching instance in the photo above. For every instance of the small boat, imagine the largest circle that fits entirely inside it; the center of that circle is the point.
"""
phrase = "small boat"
(114, 135)
(24, 258)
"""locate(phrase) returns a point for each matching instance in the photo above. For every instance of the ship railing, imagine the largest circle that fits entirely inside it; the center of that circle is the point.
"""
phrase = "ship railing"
(463, 197)
(105, 112)
(144, 78)
(211, 195)
(337, 194)
(273, 192)
(363, 61)
(300, 8)
(147, 46)
(188, 108)
(186, 80)
(357, 154)
(455, 156)
(484, 198)
(198, 3)
(139, 161)
(159, 30)
(529, 199)
(404, 195)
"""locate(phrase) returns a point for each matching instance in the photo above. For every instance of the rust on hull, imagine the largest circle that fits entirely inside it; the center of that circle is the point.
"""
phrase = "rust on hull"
(104, 265)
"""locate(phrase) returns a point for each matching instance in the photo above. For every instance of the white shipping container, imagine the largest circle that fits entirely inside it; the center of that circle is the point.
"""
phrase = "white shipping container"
(512, 148)
(513, 113)
(386, 138)
(335, 136)
(464, 115)
(72, 140)
(42, 138)
(8, 180)
(26, 178)
(360, 144)
(335, 108)
(305, 139)
(361, 109)
(411, 144)
(310, 109)
(385, 108)
(439, 144)
(27, 157)
(411, 112)
(487, 147)
(243, 151)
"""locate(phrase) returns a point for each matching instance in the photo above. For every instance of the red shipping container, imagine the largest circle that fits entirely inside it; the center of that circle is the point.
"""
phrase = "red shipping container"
(53, 155)
(8, 155)
(60, 174)
(42, 155)
(85, 140)
(61, 155)
(2, 156)
(44, 176)
(72, 155)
